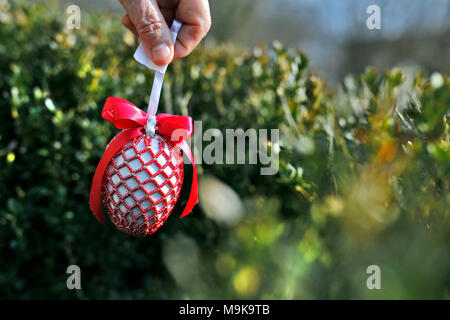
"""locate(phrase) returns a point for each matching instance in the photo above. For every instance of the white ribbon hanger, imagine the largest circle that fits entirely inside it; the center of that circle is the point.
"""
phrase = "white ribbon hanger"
(141, 57)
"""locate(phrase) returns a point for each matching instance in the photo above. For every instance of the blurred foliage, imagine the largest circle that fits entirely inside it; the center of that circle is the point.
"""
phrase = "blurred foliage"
(363, 179)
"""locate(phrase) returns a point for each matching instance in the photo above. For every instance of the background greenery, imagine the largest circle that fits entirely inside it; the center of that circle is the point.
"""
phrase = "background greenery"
(364, 173)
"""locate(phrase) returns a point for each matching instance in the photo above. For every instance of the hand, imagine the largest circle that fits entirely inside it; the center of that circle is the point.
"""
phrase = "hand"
(149, 21)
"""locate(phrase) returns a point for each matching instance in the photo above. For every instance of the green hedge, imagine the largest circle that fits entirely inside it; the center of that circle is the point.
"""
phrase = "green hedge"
(364, 173)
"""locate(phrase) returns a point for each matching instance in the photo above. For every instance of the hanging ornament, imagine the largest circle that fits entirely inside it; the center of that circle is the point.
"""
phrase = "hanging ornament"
(140, 175)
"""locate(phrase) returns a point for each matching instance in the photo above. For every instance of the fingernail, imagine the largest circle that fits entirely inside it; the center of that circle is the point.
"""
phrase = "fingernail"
(161, 53)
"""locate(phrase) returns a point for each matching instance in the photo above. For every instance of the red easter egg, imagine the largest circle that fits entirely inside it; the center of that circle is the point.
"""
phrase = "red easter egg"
(142, 183)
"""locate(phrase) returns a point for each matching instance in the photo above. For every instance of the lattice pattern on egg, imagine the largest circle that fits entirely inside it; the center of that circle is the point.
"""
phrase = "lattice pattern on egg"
(142, 183)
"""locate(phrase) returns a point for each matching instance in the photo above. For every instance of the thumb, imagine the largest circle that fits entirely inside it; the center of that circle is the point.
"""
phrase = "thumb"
(153, 32)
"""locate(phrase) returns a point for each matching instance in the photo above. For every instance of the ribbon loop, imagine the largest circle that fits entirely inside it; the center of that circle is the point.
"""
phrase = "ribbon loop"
(175, 127)
(123, 114)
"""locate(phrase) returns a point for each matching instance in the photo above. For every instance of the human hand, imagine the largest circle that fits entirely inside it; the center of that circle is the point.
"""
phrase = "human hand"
(149, 21)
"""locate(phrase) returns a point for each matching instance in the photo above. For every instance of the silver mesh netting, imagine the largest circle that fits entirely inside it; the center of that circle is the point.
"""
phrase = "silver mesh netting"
(142, 183)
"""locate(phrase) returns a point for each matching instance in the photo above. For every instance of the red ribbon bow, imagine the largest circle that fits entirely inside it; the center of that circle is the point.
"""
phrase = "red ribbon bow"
(125, 115)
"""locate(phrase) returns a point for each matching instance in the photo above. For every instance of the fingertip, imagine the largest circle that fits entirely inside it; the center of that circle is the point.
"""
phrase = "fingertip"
(162, 54)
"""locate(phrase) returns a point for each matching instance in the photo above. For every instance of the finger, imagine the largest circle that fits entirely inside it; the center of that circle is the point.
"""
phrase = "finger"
(188, 38)
(153, 32)
(129, 25)
(196, 18)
